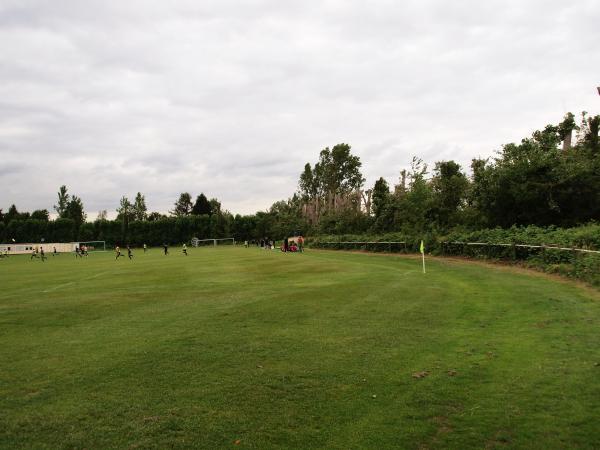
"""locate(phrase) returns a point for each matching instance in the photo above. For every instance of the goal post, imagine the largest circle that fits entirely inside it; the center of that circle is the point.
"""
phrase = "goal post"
(212, 242)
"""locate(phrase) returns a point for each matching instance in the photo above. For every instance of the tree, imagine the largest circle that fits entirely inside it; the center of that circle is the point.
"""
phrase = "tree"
(534, 183)
(139, 210)
(12, 214)
(215, 206)
(125, 210)
(63, 202)
(41, 214)
(154, 216)
(588, 138)
(124, 214)
(308, 183)
(183, 206)
(338, 171)
(409, 208)
(565, 130)
(450, 186)
(75, 211)
(380, 198)
(102, 215)
(333, 184)
(202, 206)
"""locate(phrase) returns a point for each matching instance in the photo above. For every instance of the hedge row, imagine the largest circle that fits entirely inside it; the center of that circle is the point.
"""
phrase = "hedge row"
(172, 230)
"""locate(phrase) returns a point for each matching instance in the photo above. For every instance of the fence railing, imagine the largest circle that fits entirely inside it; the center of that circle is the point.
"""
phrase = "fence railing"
(375, 246)
(543, 246)
(581, 263)
(443, 246)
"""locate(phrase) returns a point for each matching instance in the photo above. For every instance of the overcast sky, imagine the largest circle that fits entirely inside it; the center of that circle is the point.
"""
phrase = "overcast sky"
(232, 98)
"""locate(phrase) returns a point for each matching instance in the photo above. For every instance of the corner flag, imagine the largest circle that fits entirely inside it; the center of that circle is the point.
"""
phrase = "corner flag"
(422, 249)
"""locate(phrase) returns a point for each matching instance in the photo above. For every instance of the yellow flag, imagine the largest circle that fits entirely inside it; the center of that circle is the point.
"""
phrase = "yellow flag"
(423, 255)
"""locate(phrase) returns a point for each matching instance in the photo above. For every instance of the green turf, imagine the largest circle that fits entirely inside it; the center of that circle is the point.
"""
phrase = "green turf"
(314, 350)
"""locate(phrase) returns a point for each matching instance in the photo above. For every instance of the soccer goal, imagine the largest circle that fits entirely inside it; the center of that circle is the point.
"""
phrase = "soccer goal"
(212, 242)
(93, 246)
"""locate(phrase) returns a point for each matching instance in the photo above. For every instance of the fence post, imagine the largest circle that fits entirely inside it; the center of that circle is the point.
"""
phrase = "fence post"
(543, 253)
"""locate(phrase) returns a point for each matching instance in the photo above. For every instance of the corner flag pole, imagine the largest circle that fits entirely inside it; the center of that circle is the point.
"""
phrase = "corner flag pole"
(423, 254)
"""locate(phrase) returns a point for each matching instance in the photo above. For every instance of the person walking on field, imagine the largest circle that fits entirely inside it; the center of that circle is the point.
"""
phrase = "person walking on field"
(166, 249)
(184, 249)
(129, 254)
(145, 248)
(286, 245)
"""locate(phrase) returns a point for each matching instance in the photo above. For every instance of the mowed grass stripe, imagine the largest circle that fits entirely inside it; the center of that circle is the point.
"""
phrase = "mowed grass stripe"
(314, 350)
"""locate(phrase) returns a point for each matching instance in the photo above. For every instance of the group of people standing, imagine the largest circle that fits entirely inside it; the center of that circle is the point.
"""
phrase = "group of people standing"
(296, 245)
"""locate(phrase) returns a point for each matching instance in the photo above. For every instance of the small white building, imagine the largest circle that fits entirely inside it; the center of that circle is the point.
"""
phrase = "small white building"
(24, 248)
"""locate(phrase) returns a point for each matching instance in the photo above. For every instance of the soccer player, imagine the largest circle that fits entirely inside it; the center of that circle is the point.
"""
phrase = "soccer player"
(145, 248)
(118, 251)
(184, 249)
(43, 255)
(77, 253)
(33, 253)
(54, 252)
(286, 245)
(129, 254)
(166, 249)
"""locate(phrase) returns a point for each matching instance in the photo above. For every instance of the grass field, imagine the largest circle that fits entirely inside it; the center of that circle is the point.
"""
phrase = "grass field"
(243, 348)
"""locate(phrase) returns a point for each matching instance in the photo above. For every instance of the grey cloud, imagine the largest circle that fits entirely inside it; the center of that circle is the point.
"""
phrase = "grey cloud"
(232, 98)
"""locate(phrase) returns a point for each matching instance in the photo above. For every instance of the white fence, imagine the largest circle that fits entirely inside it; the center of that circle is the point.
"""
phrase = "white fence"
(26, 248)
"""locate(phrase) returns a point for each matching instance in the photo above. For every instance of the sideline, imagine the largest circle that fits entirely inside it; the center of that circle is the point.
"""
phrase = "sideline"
(395, 269)
(490, 264)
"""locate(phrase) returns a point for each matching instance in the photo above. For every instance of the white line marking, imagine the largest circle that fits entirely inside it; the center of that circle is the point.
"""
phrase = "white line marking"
(73, 282)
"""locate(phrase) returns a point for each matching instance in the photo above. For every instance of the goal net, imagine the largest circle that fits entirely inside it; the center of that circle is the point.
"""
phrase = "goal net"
(93, 246)
(212, 242)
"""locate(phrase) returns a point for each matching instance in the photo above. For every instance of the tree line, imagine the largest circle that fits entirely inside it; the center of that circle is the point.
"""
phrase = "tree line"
(534, 182)
(203, 218)
(537, 181)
